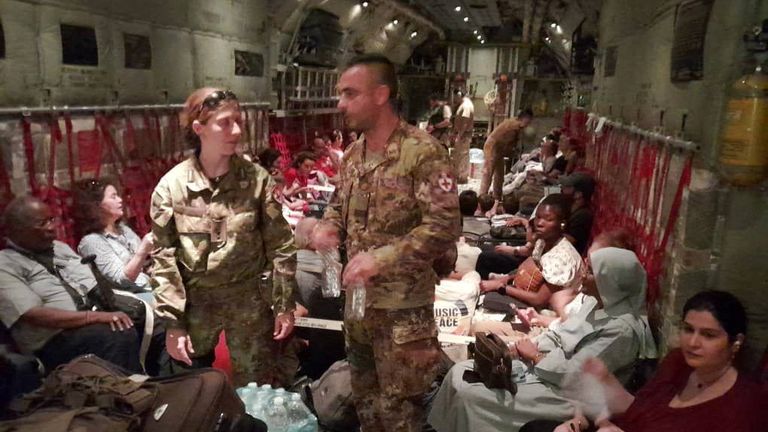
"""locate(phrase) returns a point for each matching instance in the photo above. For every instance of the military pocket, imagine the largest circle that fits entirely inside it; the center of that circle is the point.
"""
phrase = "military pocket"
(194, 242)
(413, 332)
(407, 364)
(245, 221)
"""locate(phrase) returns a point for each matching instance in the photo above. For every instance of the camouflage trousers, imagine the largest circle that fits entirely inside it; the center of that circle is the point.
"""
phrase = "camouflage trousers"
(394, 357)
(249, 322)
(460, 156)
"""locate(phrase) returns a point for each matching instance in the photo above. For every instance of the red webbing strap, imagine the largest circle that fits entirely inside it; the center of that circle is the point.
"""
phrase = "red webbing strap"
(130, 131)
(5, 184)
(70, 156)
(102, 123)
(157, 130)
(655, 267)
(661, 187)
(174, 137)
(55, 140)
(29, 151)
(59, 200)
(643, 223)
(148, 131)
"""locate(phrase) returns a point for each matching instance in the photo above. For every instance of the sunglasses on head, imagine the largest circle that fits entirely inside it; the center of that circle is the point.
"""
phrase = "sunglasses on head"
(214, 99)
(94, 184)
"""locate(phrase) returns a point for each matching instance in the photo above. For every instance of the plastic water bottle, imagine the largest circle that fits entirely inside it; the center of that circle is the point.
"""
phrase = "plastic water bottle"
(297, 413)
(299, 416)
(277, 393)
(248, 393)
(277, 416)
(309, 425)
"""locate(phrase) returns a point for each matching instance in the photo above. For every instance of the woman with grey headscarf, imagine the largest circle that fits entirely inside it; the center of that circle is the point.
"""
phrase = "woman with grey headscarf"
(609, 324)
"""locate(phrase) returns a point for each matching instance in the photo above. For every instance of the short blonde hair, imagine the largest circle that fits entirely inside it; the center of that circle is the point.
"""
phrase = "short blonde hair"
(303, 233)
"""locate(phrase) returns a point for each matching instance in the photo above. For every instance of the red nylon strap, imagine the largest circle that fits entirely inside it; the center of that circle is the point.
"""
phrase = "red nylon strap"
(148, 130)
(5, 184)
(70, 156)
(173, 134)
(655, 268)
(29, 151)
(55, 141)
(660, 184)
(156, 129)
(103, 125)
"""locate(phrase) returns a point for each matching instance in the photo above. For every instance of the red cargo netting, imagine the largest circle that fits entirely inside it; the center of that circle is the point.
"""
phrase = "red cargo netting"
(637, 189)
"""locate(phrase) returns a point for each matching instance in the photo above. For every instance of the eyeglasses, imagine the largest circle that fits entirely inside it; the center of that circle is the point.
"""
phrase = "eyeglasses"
(214, 99)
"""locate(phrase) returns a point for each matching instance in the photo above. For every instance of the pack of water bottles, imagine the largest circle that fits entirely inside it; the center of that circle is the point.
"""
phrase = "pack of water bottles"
(281, 410)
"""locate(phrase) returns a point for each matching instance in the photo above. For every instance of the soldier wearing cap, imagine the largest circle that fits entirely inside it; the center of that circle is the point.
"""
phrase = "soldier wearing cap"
(217, 231)
(396, 210)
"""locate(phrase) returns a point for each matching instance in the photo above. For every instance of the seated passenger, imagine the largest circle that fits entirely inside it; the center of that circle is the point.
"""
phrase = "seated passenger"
(325, 346)
(486, 205)
(579, 188)
(472, 226)
(697, 387)
(269, 159)
(572, 301)
(324, 161)
(610, 327)
(553, 265)
(43, 288)
(121, 256)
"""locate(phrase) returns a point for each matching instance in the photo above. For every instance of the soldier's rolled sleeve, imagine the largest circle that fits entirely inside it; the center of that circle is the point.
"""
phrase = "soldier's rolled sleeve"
(332, 212)
(440, 222)
(168, 287)
(280, 251)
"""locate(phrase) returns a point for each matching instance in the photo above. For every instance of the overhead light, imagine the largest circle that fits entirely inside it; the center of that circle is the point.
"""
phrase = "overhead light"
(558, 29)
(466, 19)
(365, 4)
(547, 39)
(482, 41)
(414, 34)
(395, 21)
(553, 25)
(457, 8)
(474, 31)
(479, 37)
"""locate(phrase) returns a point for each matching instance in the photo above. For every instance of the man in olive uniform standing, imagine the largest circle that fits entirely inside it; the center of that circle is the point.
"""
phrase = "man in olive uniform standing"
(397, 210)
(463, 126)
(439, 122)
(501, 143)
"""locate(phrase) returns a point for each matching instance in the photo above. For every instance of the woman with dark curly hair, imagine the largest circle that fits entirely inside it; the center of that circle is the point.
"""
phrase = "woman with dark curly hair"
(120, 254)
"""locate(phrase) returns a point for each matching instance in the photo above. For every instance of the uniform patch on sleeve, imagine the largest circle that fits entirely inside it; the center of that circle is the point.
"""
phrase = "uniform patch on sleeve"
(446, 182)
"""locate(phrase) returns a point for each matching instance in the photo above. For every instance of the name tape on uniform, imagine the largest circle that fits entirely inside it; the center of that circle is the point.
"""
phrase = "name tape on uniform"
(324, 324)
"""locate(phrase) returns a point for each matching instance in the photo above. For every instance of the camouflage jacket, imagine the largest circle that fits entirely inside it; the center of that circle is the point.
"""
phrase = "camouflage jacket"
(402, 207)
(208, 237)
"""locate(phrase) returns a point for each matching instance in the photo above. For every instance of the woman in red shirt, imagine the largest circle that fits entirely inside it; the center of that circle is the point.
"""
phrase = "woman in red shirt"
(697, 387)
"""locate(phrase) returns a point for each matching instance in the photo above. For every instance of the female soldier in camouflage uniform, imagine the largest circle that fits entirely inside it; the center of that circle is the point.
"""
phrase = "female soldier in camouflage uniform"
(217, 230)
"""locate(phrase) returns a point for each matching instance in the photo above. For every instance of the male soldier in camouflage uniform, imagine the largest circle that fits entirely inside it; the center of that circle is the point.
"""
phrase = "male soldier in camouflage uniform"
(397, 208)
(500, 144)
(214, 239)
(463, 126)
